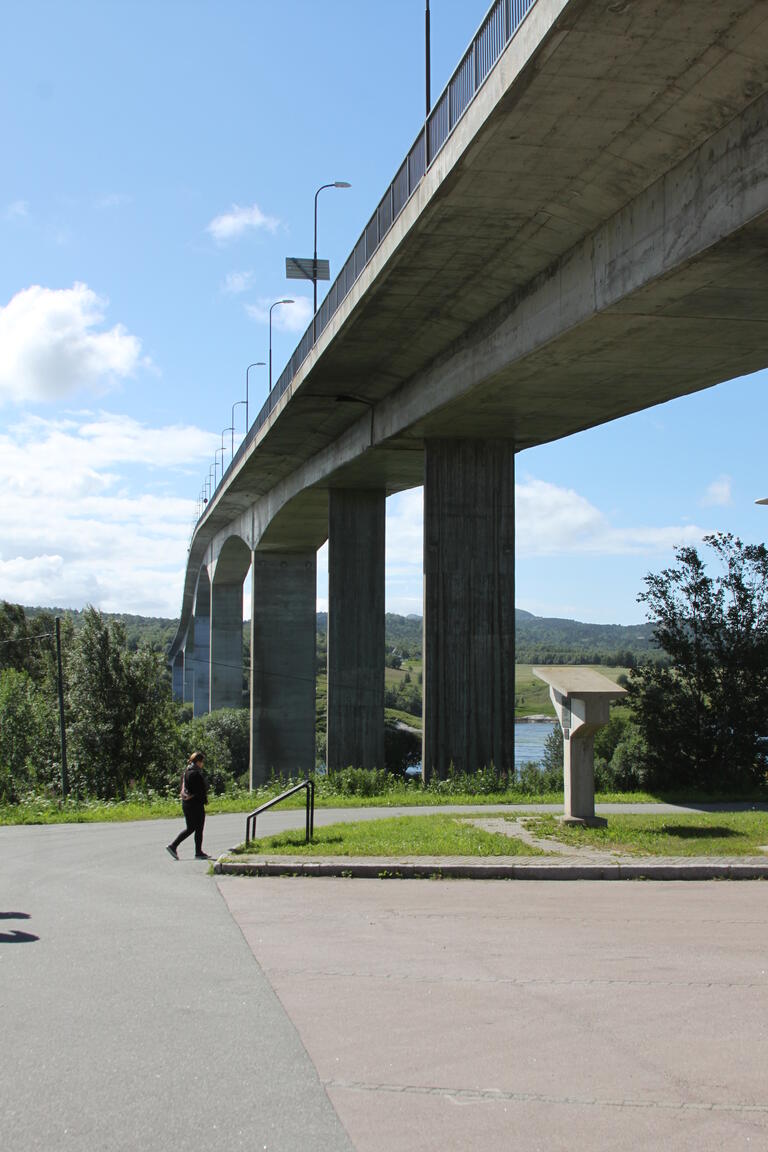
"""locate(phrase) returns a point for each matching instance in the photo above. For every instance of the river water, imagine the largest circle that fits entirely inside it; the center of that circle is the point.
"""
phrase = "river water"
(529, 740)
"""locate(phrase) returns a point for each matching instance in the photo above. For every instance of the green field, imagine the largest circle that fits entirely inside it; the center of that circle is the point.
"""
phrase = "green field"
(531, 694)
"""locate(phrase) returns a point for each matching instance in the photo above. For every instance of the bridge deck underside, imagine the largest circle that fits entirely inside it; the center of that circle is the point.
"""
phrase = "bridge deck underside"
(587, 108)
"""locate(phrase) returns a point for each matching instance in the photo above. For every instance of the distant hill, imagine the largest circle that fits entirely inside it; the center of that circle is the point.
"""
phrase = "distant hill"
(156, 631)
(540, 639)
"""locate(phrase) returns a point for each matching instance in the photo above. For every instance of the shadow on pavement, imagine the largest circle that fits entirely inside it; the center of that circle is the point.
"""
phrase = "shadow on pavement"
(16, 936)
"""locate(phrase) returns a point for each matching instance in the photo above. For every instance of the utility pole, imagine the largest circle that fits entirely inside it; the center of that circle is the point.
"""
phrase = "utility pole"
(60, 678)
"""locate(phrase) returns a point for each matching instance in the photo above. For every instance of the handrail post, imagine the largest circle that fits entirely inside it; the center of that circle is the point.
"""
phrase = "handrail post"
(250, 820)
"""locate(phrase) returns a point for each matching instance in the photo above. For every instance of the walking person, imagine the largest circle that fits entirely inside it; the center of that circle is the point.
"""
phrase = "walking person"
(194, 795)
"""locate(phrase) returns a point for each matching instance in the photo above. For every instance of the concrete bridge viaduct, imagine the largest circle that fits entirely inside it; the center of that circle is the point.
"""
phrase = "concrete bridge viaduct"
(581, 231)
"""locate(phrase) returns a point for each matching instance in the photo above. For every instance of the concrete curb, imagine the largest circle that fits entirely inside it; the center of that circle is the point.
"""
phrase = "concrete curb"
(463, 868)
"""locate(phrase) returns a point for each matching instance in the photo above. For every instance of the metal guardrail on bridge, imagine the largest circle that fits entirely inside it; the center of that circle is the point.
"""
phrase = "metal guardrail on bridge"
(497, 29)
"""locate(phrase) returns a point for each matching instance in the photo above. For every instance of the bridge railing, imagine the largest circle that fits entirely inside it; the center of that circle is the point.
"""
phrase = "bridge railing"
(499, 26)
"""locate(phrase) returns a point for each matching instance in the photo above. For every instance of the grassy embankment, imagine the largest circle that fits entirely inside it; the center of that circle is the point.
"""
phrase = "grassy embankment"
(435, 835)
(705, 834)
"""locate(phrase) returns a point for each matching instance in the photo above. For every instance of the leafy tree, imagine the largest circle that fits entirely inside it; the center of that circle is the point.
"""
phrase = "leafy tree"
(223, 737)
(26, 643)
(552, 757)
(28, 744)
(121, 721)
(700, 718)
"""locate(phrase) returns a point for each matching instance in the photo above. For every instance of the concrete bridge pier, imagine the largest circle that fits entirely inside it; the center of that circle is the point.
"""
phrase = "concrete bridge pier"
(227, 624)
(189, 664)
(283, 623)
(201, 702)
(177, 682)
(355, 732)
(226, 645)
(469, 605)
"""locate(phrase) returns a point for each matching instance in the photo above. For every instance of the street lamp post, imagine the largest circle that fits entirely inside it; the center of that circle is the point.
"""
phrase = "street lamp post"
(335, 184)
(270, 337)
(256, 364)
(215, 455)
(232, 453)
(427, 44)
(232, 418)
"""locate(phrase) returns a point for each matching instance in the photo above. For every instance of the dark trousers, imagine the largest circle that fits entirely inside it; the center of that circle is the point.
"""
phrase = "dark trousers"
(194, 814)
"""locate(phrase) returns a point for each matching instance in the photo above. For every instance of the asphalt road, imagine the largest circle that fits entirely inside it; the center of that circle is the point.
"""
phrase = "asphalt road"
(136, 1014)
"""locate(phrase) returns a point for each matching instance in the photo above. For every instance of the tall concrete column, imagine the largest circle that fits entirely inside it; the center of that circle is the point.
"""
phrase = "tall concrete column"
(226, 645)
(177, 682)
(355, 734)
(469, 605)
(283, 625)
(189, 664)
(201, 702)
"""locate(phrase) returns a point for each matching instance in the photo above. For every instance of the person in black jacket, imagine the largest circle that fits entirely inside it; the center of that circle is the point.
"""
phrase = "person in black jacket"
(194, 795)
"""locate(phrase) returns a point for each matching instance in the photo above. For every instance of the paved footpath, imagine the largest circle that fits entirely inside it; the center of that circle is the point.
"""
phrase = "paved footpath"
(140, 1010)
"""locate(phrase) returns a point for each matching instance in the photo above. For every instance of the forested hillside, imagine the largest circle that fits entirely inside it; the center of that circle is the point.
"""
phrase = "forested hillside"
(540, 640)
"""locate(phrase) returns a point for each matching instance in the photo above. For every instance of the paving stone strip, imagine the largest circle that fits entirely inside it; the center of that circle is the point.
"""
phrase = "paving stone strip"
(517, 830)
(500, 867)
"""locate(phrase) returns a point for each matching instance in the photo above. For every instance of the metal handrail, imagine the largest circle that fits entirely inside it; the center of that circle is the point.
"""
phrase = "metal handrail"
(310, 820)
(500, 24)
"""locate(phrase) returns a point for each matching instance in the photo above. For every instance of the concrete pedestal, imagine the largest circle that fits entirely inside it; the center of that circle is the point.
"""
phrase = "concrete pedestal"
(283, 623)
(201, 683)
(469, 605)
(226, 645)
(355, 734)
(581, 698)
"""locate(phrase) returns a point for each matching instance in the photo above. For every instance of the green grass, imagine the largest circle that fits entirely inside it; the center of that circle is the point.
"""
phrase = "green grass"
(435, 835)
(705, 834)
(404, 717)
(41, 810)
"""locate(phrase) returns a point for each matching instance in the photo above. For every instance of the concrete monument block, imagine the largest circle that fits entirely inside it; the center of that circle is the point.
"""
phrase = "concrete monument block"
(582, 702)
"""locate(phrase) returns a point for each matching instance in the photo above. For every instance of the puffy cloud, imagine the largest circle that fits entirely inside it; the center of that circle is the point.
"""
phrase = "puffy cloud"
(294, 317)
(553, 520)
(236, 282)
(718, 493)
(90, 511)
(239, 220)
(50, 346)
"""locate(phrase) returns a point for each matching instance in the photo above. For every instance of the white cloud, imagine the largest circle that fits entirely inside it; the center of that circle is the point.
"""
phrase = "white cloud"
(550, 521)
(553, 520)
(17, 210)
(50, 346)
(114, 200)
(236, 282)
(294, 317)
(718, 493)
(90, 512)
(239, 220)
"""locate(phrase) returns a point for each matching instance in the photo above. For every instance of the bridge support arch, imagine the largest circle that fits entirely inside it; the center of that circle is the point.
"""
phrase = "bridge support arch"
(469, 605)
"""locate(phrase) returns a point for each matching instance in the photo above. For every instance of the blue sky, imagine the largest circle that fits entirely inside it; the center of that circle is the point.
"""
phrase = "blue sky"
(159, 162)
